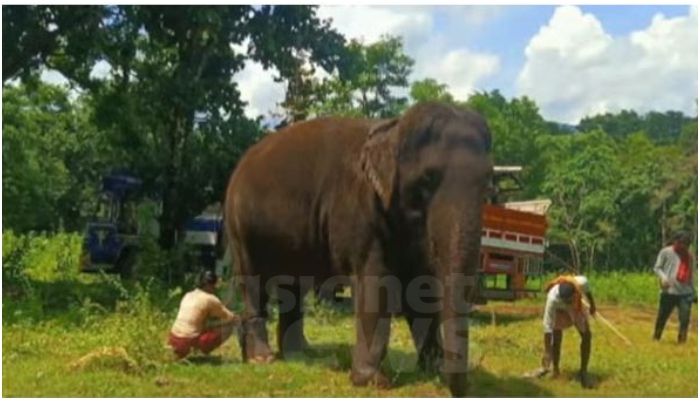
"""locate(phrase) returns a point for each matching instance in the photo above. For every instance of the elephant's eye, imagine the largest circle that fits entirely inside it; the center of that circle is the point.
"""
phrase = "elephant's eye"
(426, 186)
(430, 180)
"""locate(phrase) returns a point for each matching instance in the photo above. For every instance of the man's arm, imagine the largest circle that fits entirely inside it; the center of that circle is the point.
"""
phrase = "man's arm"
(659, 268)
(548, 322)
(591, 303)
(218, 310)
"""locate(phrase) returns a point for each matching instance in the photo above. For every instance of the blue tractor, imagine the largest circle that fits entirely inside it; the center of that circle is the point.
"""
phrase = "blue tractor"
(112, 237)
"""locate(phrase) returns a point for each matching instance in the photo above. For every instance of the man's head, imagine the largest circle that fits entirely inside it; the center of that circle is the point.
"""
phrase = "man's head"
(566, 291)
(682, 239)
(208, 280)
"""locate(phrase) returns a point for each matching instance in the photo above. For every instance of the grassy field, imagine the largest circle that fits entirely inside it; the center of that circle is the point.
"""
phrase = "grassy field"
(60, 355)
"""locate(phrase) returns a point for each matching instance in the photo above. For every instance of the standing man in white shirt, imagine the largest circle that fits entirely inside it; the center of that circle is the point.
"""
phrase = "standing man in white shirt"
(674, 267)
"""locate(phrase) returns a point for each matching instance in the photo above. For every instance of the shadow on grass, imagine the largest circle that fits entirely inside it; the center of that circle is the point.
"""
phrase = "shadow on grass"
(487, 317)
(401, 369)
(485, 384)
(209, 360)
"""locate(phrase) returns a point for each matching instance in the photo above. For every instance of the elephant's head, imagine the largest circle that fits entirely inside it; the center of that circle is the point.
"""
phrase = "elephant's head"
(431, 170)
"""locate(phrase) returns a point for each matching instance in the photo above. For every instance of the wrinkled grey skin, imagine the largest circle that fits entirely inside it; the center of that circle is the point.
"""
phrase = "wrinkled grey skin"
(396, 199)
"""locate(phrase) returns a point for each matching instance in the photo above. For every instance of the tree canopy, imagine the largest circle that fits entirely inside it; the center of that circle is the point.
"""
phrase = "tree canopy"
(152, 92)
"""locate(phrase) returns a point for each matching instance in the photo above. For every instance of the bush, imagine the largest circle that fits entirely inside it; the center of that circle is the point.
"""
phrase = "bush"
(41, 257)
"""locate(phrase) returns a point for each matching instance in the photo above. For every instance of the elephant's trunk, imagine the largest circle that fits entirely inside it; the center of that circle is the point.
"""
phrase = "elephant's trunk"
(457, 255)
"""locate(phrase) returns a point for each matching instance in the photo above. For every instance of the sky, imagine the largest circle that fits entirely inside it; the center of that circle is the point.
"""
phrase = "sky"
(573, 61)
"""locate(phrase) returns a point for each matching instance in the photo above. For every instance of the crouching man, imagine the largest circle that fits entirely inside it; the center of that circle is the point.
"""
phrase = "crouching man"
(192, 327)
(565, 308)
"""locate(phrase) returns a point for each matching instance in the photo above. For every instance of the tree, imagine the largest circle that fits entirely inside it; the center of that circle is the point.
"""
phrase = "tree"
(664, 127)
(169, 87)
(619, 126)
(430, 90)
(379, 71)
(582, 180)
(60, 37)
(516, 125)
(51, 157)
(660, 127)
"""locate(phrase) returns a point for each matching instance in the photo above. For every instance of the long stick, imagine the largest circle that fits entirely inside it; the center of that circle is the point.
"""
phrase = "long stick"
(619, 334)
(598, 315)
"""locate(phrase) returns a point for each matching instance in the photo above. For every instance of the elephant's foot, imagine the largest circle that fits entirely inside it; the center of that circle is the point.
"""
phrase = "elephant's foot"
(429, 361)
(290, 334)
(376, 379)
(253, 341)
(294, 345)
(262, 359)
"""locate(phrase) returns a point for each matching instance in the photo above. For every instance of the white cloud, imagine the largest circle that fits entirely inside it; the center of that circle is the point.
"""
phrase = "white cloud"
(53, 77)
(368, 23)
(460, 68)
(259, 90)
(574, 68)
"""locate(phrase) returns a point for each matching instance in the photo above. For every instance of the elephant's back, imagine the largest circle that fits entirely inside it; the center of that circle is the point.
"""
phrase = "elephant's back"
(286, 186)
(302, 151)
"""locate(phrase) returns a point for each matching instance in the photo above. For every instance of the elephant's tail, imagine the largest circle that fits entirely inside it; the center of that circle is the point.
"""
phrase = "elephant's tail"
(228, 239)
(229, 233)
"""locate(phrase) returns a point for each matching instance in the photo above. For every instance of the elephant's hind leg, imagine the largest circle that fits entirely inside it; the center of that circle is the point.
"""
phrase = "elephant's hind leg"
(254, 339)
(290, 330)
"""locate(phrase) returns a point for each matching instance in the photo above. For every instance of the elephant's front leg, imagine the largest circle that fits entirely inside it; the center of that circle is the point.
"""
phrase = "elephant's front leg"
(372, 326)
(424, 323)
(290, 330)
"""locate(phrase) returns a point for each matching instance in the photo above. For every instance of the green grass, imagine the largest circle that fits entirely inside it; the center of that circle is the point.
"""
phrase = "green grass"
(37, 360)
(53, 317)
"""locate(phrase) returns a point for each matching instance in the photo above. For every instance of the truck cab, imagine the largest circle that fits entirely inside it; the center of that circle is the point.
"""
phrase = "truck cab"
(110, 238)
(513, 241)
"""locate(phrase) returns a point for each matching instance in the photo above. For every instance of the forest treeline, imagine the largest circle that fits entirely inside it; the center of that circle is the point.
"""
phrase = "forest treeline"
(151, 92)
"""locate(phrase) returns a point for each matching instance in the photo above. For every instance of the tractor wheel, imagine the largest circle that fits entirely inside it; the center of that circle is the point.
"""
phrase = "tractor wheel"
(125, 264)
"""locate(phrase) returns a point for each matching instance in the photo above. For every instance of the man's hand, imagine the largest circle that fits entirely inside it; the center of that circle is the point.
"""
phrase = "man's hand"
(593, 310)
(665, 284)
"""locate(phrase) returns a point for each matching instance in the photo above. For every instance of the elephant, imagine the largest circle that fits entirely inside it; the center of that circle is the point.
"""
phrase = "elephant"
(395, 200)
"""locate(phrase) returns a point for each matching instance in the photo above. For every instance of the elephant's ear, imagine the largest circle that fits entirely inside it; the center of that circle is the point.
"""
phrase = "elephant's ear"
(379, 159)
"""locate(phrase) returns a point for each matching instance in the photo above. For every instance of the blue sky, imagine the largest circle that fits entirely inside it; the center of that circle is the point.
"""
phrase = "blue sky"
(573, 61)
(509, 33)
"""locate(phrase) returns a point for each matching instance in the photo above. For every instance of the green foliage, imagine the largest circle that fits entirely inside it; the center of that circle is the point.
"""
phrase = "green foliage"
(51, 157)
(582, 178)
(660, 127)
(430, 90)
(41, 258)
(164, 107)
(382, 68)
(53, 35)
(516, 126)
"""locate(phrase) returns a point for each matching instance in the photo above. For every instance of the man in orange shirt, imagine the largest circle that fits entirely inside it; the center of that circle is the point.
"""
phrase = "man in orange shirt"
(190, 329)
(565, 308)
